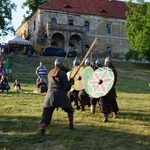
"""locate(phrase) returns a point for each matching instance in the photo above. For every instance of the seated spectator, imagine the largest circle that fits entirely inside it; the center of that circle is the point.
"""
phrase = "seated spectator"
(34, 54)
(11, 54)
(4, 83)
(29, 54)
(42, 86)
(17, 86)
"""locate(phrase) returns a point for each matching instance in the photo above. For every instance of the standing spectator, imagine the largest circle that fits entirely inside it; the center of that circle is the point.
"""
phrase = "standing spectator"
(41, 72)
(56, 96)
(8, 66)
(2, 61)
(2, 69)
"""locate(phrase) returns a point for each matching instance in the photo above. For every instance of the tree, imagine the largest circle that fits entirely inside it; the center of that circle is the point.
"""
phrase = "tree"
(6, 8)
(32, 5)
(138, 27)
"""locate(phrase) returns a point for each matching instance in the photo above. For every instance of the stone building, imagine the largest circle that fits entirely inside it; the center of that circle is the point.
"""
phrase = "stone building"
(76, 23)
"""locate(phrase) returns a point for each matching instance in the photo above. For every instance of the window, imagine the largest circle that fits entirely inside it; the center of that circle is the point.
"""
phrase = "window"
(86, 25)
(87, 47)
(108, 29)
(34, 25)
(53, 20)
(109, 51)
(70, 22)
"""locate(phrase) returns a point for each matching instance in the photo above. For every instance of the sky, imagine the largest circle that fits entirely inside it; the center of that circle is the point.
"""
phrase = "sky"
(17, 19)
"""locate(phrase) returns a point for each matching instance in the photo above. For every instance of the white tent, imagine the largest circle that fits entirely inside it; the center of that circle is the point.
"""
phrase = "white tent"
(19, 40)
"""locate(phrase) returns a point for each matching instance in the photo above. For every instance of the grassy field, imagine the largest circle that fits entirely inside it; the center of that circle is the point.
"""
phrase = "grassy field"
(20, 114)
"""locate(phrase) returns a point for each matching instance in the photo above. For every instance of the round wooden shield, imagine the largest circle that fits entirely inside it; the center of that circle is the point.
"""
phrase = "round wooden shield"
(78, 83)
(86, 75)
(100, 82)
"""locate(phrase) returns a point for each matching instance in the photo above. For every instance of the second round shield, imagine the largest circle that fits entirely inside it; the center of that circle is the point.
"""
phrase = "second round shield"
(86, 75)
(100, 82)
(78, 83)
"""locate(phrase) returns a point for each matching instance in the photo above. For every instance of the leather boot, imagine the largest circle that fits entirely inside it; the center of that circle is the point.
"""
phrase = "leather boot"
(82, 108)
(70, 117)
(42, 128)
(92, 109)
(115, 115)
(105, 118)
(42, 132)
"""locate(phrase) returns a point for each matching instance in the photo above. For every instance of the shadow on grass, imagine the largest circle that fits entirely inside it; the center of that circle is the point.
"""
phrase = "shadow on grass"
(21, 132)
(139, 115)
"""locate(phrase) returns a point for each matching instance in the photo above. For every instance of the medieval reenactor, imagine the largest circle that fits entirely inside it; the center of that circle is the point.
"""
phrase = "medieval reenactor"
(58, 86)
(108, 102)
(93, 101)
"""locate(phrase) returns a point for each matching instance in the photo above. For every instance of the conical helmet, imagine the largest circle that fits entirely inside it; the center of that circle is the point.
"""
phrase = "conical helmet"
(87, 62)
(98, 62)
(76, 62)
(58, 63)
(108, 61)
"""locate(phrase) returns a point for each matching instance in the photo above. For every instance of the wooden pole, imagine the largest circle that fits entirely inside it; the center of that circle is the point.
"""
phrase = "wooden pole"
(88, 52)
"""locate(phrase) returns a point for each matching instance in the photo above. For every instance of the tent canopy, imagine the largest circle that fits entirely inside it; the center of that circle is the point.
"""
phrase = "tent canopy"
(19, 40)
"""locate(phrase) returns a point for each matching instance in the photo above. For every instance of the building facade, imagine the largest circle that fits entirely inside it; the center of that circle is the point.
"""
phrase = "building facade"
(75, 24)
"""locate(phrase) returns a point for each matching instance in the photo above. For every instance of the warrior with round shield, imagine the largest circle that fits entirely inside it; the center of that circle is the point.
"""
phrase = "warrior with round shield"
(94, 101)
(83, 97)
(73, 94)
(108, 102)
(56, 96)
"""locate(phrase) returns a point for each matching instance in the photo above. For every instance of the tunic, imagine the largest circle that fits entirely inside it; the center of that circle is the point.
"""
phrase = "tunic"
(58, 86)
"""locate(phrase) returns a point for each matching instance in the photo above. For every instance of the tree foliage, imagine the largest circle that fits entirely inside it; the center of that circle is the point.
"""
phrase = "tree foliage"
(32, 5)
(138, 27)
(6, 8)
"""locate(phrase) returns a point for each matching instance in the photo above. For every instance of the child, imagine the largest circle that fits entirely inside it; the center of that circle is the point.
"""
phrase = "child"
(17, 86)
(42, 86)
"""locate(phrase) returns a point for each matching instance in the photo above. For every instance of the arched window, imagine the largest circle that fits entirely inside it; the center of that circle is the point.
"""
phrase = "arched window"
(86, 25)
(53, 20)
(109, 51)
(34, 24)
(87, 47)
(108, 28)
(71, 45)
(70, 22)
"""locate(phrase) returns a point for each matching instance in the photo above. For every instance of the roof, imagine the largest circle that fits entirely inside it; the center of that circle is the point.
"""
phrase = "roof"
(19, 40)
(107, 8)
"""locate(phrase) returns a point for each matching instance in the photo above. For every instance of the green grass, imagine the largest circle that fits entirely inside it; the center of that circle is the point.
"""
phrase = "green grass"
(20, 114)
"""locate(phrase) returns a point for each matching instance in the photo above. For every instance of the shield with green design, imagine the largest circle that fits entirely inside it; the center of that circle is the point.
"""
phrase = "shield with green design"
(86, 75)
(78, 83)
(100, 82)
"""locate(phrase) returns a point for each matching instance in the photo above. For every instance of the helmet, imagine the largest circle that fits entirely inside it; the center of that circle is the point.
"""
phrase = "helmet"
(98, 62)
(108, 61)
(87, 62)
(58, 63)
(76, 62)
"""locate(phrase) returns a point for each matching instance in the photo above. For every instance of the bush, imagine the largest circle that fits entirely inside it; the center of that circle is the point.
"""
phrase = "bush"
(131, 54)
